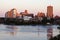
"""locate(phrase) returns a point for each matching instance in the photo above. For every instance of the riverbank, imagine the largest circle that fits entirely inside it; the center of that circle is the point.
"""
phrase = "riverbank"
(16, 21)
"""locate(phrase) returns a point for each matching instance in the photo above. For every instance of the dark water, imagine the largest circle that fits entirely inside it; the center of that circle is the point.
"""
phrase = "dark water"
(27, 32)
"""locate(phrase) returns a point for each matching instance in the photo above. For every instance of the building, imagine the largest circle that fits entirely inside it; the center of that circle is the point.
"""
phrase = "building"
(50, 11)
(57, 17)
(7, 14)
(41, 14)
(26, 15)
(26, 11)
(12, 13)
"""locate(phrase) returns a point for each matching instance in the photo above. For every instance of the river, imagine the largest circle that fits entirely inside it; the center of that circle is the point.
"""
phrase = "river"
(27, 32)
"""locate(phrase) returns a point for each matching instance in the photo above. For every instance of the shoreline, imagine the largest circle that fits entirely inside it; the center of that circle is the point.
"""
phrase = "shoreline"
(15, 21)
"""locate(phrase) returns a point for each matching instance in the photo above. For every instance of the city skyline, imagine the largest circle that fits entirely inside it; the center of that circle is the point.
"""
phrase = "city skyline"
(34, 6)
(13, 13)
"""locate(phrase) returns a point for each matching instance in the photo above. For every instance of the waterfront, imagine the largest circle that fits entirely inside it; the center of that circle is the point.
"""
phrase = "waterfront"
(26, 32)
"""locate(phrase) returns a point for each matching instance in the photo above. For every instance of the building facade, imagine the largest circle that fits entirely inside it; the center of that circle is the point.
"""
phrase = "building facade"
(41, 14)
(50, 11)
(12, 13)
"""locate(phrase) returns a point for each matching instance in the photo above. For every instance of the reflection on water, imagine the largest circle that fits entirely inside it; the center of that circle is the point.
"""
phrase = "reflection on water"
(38, 31)
(25, 32)
(49, 33)
(12, 29)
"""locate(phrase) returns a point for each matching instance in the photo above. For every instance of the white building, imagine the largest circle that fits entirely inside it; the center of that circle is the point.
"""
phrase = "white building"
(27, 18)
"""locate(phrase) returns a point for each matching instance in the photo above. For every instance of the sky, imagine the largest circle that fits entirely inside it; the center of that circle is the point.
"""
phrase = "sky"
(33, 6)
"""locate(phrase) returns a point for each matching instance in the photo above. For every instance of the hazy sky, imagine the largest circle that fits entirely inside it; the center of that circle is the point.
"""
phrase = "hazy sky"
(33, 6)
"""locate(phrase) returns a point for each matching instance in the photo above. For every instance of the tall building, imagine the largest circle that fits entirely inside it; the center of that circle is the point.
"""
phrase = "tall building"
(12, 13)
(8, 14)
(50, 11)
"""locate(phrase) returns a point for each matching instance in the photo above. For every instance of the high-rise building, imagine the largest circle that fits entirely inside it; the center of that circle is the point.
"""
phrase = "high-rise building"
(8, 14)
(50, 11)
(12, 13)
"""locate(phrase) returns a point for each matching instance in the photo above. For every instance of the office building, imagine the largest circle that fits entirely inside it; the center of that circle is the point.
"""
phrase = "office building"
(50, 11)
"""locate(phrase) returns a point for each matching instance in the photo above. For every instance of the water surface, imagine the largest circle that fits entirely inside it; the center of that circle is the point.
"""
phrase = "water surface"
(27, 32)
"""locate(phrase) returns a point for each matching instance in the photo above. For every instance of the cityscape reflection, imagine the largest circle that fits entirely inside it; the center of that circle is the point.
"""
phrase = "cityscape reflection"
(12, 29)
(28, 32)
